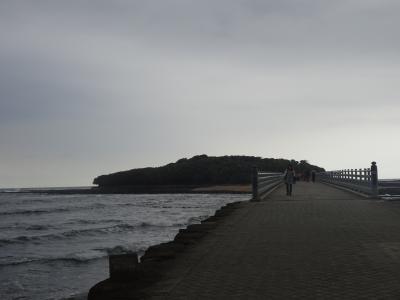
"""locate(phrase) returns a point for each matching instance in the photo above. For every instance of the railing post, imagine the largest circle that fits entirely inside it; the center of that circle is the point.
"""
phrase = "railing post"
(365, 176)
(374, 179)
(255, 184)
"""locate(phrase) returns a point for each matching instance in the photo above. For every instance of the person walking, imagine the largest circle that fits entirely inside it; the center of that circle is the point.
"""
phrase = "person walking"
(289, 177)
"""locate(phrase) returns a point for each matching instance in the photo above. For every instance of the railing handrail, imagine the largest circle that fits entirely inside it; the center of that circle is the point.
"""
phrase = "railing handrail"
(264, 182)
(361, 180)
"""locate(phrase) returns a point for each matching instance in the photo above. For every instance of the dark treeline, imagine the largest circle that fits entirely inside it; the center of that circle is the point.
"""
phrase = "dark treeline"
(201, 170)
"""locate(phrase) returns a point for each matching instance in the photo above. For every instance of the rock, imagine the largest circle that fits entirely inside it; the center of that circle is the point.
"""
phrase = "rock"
(207, 226)
(188, 237)
(222, 212)
(122, 266)
(162, 251)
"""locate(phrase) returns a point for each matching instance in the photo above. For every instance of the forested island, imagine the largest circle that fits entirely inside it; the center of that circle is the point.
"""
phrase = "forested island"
(200, 170)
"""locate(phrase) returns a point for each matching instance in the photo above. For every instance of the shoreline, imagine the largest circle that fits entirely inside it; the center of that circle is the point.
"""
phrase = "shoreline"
(166, 189)
(136, 276)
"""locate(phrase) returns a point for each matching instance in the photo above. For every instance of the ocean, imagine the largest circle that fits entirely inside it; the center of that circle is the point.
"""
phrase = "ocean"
(56, 246)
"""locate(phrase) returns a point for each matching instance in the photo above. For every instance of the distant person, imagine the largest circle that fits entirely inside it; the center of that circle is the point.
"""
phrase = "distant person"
(313, 176)
(289, 177)
(307, 175)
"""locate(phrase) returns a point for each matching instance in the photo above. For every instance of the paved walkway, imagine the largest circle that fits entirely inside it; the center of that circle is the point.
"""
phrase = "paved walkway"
(321, 243)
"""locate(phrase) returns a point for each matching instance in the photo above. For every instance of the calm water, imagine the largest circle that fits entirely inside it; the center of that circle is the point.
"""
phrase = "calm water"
(56, 246)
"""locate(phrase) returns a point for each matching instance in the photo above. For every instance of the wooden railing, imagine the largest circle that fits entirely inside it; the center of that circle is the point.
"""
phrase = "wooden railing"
(264, 182)
(361, 180)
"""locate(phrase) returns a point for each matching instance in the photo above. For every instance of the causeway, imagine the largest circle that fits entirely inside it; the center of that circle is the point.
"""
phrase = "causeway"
(321, 243)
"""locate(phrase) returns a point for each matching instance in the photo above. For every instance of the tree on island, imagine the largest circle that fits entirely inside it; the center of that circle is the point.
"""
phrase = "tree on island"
(201, 170)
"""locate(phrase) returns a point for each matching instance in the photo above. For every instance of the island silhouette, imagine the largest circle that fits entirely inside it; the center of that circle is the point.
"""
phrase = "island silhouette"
(196, 173)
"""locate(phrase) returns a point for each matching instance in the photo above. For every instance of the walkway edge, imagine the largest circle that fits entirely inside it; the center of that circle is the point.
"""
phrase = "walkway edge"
(144, 274)
(348, 190)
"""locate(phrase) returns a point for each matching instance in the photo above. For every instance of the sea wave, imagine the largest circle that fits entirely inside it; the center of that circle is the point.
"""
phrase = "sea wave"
(70, 258)
(119, 249)
(79, 296)
(32, 211)
(197, 219)
(80, 257)
(52, 210)
(29, 227)
(38, 227)
(92, 221)
(66, 234)
(82, 232)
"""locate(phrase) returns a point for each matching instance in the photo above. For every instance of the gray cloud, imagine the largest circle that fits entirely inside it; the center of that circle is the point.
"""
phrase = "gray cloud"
(88, 87)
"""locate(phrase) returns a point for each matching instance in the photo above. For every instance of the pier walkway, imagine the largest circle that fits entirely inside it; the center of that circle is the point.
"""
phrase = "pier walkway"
(321, 243)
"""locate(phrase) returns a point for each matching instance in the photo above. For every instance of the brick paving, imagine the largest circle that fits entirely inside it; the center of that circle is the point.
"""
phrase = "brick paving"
(321, 243)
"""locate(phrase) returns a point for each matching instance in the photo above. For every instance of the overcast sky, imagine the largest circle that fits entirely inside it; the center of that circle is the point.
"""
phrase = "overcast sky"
(92, 87)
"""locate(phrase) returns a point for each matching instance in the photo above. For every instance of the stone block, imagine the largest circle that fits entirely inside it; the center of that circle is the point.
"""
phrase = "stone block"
(122, 266)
